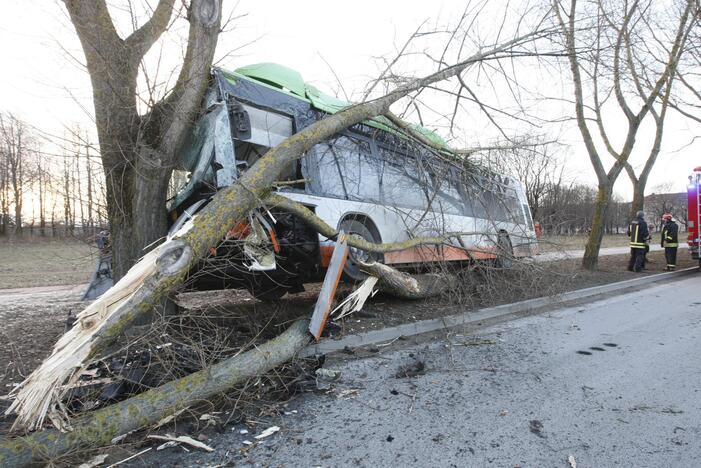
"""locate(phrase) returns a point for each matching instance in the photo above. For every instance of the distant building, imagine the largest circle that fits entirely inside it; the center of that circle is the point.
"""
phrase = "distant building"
(657, 204)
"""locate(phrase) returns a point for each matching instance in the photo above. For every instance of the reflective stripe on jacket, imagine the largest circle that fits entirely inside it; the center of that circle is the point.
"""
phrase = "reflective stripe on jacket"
(637, 230)
(670, 234)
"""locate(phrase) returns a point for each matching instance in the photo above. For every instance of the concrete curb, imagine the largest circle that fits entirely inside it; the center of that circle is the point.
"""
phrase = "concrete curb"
(480, 315)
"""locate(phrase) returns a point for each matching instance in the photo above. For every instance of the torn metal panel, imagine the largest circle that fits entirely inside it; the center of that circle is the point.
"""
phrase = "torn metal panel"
(328, 288)
(257, 245)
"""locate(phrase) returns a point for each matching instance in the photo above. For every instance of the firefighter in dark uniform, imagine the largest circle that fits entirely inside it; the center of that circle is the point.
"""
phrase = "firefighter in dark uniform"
(638, 233)
(670, 241)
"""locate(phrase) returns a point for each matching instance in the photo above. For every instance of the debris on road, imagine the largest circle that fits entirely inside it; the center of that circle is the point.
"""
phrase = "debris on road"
(267, 433)
(412, 369)
(536, 427)
(94, 461)
(572, 461)
(324, 377)
(183, 440)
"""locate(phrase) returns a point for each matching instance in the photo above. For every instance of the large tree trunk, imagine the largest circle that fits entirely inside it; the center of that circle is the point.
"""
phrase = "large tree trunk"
(638, 203)
(138, 151)
(591, 251)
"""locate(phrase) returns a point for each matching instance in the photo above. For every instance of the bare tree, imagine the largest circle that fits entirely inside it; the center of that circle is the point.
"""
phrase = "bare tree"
(688, 101)
(608, 67)
(16, 150)
(535, 164)
(138, 149)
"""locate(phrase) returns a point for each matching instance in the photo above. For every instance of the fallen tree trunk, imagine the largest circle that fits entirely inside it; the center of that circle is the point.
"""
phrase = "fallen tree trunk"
(305, 215)
(100, 427)
(406, 286)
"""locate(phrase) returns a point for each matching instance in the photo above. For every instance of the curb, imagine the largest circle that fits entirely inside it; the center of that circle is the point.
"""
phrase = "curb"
(480, 315)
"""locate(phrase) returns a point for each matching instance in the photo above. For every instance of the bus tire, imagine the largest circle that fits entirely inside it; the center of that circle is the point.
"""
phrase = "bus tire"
(359, 229)
(505, 252)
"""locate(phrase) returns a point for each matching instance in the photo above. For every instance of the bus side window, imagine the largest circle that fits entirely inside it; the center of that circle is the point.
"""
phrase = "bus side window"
(475, 192)
(359, 168)
(446, 196)
(324, 171)
(401, 189)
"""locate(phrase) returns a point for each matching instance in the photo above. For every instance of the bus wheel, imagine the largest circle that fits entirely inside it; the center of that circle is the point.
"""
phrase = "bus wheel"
(358, 230)
(505, 252)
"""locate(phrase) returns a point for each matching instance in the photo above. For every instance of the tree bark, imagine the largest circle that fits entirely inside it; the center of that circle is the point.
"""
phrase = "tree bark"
(591, 250)
(138, 151)
(99, 428)
(406, 286)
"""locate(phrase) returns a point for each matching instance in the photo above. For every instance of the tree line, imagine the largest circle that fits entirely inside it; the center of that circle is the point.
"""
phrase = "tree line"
(49, 186)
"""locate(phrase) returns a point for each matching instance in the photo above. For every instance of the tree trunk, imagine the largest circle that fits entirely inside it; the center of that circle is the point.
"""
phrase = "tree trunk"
(591, 251)
(638, 203)
(99, 428)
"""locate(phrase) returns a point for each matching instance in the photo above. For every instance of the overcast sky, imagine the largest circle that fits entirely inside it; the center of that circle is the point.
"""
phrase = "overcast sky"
(42, 79)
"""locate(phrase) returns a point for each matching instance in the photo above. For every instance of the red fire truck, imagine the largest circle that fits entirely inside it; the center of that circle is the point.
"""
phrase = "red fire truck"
(694, 214)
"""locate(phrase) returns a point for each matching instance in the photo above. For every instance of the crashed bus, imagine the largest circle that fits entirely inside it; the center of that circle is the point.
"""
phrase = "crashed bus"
(373, 180)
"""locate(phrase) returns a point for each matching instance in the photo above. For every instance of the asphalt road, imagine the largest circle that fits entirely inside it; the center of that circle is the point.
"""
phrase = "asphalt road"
(611, 383)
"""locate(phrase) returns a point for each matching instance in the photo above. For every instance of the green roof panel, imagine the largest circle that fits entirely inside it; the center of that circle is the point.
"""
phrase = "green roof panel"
(325, 102)
(289, 80)
(276, 75)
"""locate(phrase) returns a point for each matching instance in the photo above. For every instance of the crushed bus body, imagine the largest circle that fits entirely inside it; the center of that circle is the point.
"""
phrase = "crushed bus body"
(373, 181)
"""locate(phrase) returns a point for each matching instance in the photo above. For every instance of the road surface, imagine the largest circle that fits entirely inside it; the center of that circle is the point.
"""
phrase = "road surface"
(610, 383)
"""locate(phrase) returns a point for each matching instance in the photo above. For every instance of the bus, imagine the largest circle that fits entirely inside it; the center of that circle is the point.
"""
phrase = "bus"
(373, 180)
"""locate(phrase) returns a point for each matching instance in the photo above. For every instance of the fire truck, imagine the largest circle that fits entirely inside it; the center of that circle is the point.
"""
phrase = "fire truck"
(694, 213)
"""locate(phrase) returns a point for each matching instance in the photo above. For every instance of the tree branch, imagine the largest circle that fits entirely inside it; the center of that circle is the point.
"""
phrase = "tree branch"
(141, 40)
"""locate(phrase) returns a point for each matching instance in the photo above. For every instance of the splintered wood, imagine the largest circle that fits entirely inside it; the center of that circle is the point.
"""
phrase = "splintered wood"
(39, 395)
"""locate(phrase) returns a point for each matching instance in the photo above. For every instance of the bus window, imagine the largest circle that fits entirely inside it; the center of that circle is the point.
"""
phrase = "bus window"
(360, 170)
(402, 188)
(446, 197)
(344, 167)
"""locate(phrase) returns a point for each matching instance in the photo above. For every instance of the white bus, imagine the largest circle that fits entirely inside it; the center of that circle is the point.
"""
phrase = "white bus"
(372, 180)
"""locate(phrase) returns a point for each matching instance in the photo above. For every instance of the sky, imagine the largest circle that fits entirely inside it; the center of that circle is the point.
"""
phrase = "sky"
(43, 80)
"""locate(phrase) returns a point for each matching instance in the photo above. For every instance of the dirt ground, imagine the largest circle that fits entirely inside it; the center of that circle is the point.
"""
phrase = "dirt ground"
(33, 319)
(40, 262)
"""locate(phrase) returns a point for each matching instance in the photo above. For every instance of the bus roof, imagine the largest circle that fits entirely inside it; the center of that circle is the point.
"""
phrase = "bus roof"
(290, 81)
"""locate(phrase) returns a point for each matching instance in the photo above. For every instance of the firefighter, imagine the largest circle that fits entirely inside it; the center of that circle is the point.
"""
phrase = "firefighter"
(638, 233)
(670, 241)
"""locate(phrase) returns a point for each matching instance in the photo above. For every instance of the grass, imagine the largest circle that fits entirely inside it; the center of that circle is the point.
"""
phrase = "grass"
(45, 262)
(577, 242)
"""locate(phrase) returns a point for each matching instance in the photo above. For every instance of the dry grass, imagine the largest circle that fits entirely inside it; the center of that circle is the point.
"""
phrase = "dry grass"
(554, 243)
(41, 262)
